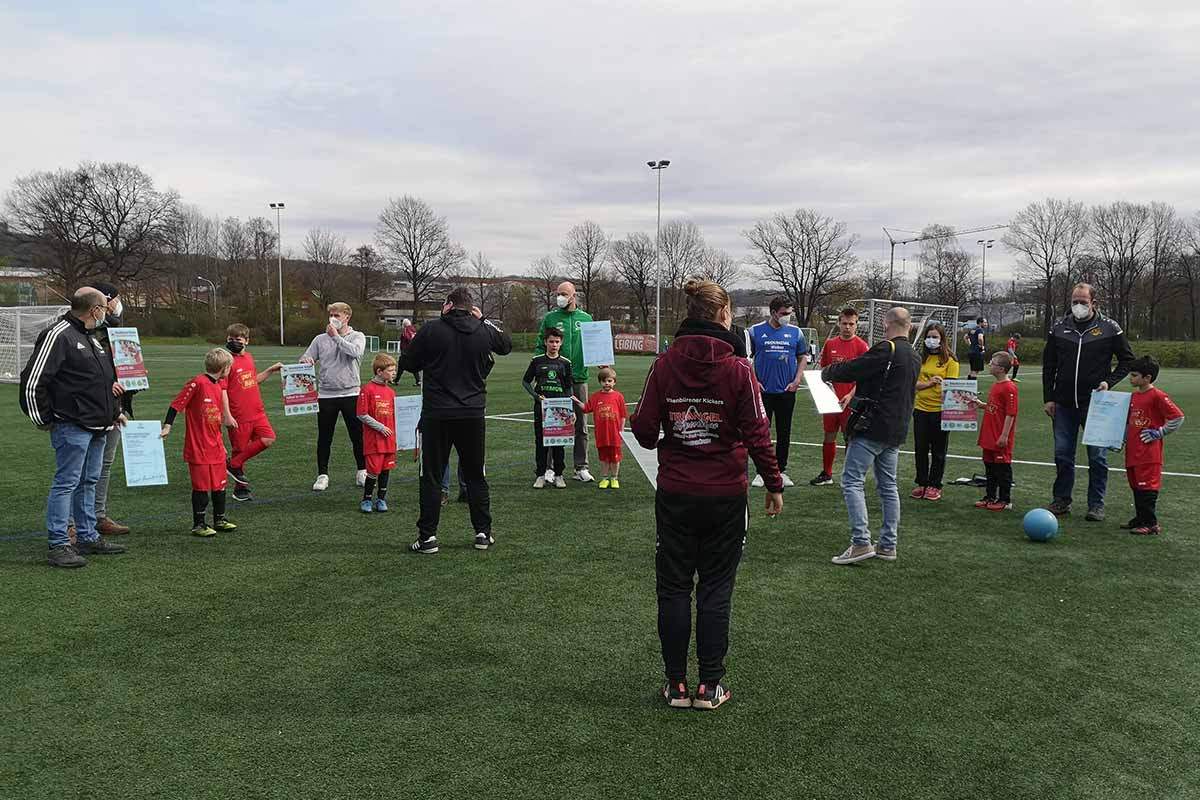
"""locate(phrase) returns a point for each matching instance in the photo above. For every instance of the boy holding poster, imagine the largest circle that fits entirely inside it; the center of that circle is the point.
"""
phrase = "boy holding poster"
(377, 413)
(608, 409)
(1152, 415)
(548, 375)
(996, 435)
(202, 402)
(252, 432)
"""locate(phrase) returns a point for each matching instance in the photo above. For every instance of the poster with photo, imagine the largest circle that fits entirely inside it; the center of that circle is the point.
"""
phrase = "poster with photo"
(127, 358)
(299, 389)
(958, 409)
(558, 421)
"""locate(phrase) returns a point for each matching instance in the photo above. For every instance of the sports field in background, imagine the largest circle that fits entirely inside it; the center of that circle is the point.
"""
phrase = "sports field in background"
(308, 655)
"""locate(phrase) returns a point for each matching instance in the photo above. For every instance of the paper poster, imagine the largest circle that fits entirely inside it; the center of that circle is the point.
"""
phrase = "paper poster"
(1106, 419)
(127, 358)
(958, 410)
(142, 450)
(823, 396)
(408, 415)
(597, 341)
(558, 421)
(299, 389)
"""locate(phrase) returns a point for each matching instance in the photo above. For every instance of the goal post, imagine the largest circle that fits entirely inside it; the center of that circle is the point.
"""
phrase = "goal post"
(870, 319)
(19, 329)
(373, 344)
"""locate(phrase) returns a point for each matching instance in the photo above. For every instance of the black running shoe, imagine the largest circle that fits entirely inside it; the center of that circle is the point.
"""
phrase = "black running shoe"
(237, 473)
(427, 546)
(709, 697)
(824, 479)
(241, 493)
(97, 547)
(676, 694)
(65, 556)
(483, 541)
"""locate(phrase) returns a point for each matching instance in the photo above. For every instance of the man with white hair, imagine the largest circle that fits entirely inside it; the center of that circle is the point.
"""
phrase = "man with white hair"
(886, 378)
(407, 332)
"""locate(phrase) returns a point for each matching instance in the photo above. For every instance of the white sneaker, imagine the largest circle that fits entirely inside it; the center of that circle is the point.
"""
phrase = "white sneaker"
(549, 476)
(560, 483)
(758, 482)
(361, 477)
(540, 483)
(786, 480)
(583, 475)
(321, 483)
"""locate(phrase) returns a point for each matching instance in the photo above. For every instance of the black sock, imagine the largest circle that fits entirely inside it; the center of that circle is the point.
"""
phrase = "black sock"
(383, 483)
(368, 488)
(218, 504)
(199, 506)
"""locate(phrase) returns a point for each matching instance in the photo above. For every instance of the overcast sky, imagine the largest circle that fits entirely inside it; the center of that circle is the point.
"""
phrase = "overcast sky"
(518, 120)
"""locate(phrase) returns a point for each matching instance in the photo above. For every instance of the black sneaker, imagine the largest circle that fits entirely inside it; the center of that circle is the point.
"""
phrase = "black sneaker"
(98, 547)
(824, 479)
(483, 541)
(1133, 523)
(462, 496)
(65, 556)
(676, 694)
(237, 473)
(709, 697)
(1059, 507)
(427, 546)
(241, 493)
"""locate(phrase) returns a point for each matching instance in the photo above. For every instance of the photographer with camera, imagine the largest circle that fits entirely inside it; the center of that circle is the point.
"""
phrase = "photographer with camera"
(886, 376)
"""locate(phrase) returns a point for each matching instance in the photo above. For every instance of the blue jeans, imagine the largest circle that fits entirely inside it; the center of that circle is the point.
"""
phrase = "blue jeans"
(1067, 422)
(462, 482)
(80, 457)
(861, 454)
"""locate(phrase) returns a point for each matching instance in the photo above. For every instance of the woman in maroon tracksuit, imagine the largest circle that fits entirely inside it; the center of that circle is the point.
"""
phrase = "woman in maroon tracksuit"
(706, 402)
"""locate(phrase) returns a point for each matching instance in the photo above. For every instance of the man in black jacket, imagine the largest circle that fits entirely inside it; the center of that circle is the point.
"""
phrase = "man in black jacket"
(67, 389)
(1078, 360)
(455, 353)
(886, 376)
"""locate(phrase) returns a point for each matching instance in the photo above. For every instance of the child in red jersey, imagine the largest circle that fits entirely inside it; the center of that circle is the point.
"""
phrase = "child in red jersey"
(1011, 349)
(607, 407)
(377, 413)
(846, 346)
(1152, 416)
(202, 403)
(996, 434)
(251, 432)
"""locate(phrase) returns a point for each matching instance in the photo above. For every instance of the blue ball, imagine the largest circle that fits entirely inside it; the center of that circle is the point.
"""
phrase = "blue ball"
(1040, 525)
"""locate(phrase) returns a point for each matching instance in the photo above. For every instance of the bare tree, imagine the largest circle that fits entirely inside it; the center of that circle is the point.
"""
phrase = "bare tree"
(1187, 269)
(128, 220)
(948, 273)
(681, 257)
(1121, 234)
(50, 207)
(370, 277)
(633, 263)
(235, 249)
(584, 253)
(1048, 238)
(327, 256)
(1167, 235)
(548, 276)
(806, 255)
(490, 295)
(416, 243)
(719, 267)
(877, 280)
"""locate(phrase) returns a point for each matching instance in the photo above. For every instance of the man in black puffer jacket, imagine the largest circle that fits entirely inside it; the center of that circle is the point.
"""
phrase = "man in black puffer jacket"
(1078, 360)
(456, 354)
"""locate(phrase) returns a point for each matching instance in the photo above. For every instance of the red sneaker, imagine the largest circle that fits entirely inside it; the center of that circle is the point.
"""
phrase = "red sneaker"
(985, 502)
(1146, 530)
(917, 493)
(933, 493)
(998, 506)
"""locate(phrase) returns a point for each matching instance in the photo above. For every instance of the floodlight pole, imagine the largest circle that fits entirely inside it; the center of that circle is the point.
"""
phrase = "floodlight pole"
(984, 246)
(658, 166)
(279, 251)
(212, 307)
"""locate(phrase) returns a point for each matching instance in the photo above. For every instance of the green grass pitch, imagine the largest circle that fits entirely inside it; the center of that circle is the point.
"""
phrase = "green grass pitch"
(308, 655)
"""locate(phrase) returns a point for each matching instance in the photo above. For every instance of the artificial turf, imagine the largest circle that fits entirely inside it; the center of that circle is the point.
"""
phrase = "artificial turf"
(308, 655)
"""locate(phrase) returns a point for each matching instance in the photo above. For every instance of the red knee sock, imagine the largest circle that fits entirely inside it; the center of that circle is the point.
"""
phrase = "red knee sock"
(241, 457)
(828, 454)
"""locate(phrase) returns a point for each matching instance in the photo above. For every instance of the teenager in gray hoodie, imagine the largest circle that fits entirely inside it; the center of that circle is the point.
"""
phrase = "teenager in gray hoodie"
(338, 352)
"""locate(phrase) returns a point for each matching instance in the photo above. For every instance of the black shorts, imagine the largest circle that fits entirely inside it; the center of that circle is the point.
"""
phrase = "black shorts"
(976, 362)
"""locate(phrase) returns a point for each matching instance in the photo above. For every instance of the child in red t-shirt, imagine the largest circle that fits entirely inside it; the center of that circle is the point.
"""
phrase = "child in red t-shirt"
(1152, 416)
(377, 413)
(1011, 347)
(996, 434)
(203, 407)
(252, 432)
(607, 408)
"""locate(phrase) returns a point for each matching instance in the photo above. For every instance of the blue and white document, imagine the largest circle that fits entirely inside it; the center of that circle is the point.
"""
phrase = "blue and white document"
(142, 449)
(1107, 415)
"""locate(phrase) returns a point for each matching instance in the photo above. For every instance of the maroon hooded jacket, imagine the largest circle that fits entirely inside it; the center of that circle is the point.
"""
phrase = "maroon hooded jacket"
(706, 401)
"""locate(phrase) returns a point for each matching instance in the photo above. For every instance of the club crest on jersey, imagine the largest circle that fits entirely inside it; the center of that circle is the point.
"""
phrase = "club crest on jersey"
(80, 346)
(1095, 331)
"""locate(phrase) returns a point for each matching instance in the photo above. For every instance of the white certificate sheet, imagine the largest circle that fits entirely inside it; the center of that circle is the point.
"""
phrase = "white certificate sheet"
(825, 399)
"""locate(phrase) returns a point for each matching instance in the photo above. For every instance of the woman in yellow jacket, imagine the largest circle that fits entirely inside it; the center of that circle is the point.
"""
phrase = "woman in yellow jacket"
(937, 364)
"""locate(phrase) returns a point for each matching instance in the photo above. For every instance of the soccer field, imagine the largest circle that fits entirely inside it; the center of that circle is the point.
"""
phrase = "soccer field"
(307, 655)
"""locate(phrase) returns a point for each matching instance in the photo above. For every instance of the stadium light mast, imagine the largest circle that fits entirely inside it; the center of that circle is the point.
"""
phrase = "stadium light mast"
(984, 246)
(658, 166)
(279, 251)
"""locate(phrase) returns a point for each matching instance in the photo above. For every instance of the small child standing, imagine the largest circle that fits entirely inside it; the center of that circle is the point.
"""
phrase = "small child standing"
(608, 409)
(996, 434)
(243, 401)
(377, 413)
(548, 375)
(1011, 348)
(1152, 415)
(202, 402)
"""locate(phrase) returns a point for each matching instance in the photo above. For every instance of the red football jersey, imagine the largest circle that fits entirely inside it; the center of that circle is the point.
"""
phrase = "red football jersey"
(1011, 347)
(837, 350)
(1002, 402)
(608, 417)
(1148, 409)
(200, 403)
(380, 402)
(245, 400)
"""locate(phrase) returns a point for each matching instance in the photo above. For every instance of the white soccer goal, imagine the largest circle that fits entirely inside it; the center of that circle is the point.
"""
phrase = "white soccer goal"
(393, 346)
(19, 329)
(373, 344)
(870, 319)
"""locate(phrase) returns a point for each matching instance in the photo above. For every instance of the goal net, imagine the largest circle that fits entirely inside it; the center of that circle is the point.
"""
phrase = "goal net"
(19, 329)
(870, 319)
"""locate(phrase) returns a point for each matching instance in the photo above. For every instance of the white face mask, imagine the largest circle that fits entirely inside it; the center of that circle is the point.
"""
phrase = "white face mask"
(336, 323)
(561, 300)
(120, 309)
(933, 344)
(1081, 311)
(784, 319)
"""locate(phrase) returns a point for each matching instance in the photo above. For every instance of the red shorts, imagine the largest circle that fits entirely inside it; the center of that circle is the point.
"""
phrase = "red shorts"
(609, 455)
(1145, 477)
(997, 456)
(208, 477)
(248, 430)
(832, 423)
(380, 462)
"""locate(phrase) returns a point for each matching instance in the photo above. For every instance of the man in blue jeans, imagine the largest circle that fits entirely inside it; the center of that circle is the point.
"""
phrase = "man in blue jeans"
(886, 376)
(67, 389)
(1078, 360)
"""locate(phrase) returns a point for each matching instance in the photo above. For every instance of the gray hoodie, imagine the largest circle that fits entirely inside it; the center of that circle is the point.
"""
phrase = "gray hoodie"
(340, 359)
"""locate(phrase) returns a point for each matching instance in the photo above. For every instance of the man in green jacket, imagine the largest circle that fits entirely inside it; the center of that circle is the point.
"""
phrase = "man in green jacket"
(566, 318)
